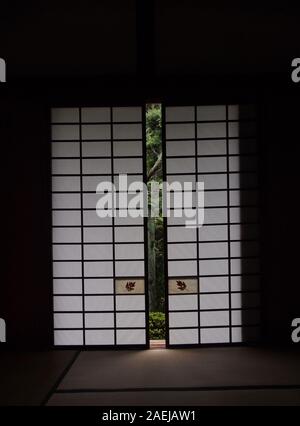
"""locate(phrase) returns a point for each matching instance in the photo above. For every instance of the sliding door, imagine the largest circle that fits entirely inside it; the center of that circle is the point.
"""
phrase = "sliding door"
(212, 268)
(99, 268)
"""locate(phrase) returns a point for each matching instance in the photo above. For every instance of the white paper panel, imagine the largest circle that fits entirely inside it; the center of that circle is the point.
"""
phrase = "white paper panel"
(130, 320)
(68, 321)
(124, 114)
(127, 148)
(96, 149)
(214, 301)
(217, 318)
(99, 320)
(128, 165)
(182, 148)
(215, 198)
(65, 183)
(67, 303)
(90, 201)
(213, 267)
(66, 252)
(212, 164)
(184, 337)
(181, 165)
(66, 201)
(98, 269)
(99, 337)
(237, 335)
(218, 181)
(213, 284)
(215, 216)
(211, 147)
(129, 251)
(123, 221)
(98, 251)
(211, 112)
(127, 131)
(66, 235)
(208, 250)
(90, 217)
(96, 166)
(90, 183)
(182, 251)
(178, 234)
(181, 179)
(131, 337)
(66, 269)
(126, 268)
(179, 201)
(65, 132)
(98, 285)
(95, 131)
(180, 113)
(97, 235)
(213, 232)
(98, 303)
(68, 337)
(211, 130)
(62, 218)
(130, 303)
(64, 115)
(130, 179)
(65, 149)
(233, 112)
(183, 319)
(180, 131)
(183, 302)
(134, 234)
(215, 335)
(65, 167)
(67, 286)
(173, 220)
(95, 115)
(182, 268)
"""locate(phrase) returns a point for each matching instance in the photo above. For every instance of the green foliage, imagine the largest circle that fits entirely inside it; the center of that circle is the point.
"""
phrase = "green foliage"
(157, 325)
(153, 135)
(155, 225)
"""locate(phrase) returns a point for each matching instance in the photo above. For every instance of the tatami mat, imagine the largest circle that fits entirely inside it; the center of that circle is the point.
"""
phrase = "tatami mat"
(182, 368)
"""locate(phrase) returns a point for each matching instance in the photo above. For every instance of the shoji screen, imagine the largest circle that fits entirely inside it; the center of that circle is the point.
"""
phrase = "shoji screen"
(99, 276)
(213, 271)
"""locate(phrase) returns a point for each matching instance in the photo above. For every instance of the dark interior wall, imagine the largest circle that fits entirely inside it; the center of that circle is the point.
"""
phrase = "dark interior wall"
(57, 52)
(280, 208)
(25, 289)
